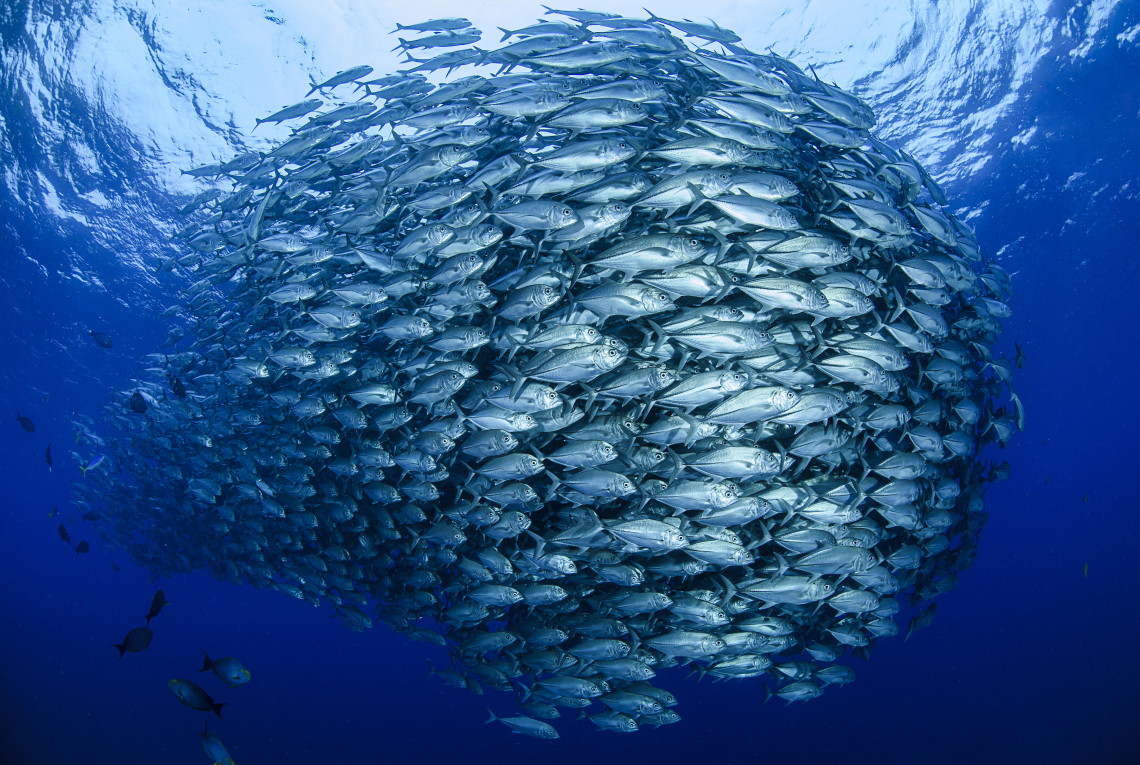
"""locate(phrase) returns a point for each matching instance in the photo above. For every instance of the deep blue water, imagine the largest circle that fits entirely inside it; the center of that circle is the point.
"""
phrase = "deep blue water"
(1031, 659)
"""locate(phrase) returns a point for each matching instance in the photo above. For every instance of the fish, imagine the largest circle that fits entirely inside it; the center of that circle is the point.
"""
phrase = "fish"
(137, 403)
(290, 112)
(633, 351)
(101, 339)
(47, 455)
(214, 750)
(156, 603)
(194, 697)
(26, 423)
(93, 463)
(229, 670)
(341, 78)
(436, 25)
(136, 640)
(176, 386)
(63, 533)
(82, 547)
(527, 726)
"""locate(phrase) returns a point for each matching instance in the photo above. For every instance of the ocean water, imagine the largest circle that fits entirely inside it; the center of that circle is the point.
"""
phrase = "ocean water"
(1027, 114)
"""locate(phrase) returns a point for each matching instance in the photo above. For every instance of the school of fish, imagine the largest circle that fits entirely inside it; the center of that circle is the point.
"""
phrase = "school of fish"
(637, 350)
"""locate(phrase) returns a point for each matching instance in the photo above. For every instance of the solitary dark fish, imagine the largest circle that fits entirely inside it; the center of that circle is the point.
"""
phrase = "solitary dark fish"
(47, 455)
(25, 423)
(92, 515)
(194, 697)
(82, 547)
(115, 568)
(176, 386)
(229, 670)
(923, 619)
(102, 340)
(156, 603)
(213, 747)
(63, 533)
(136, 640)
(137, 403)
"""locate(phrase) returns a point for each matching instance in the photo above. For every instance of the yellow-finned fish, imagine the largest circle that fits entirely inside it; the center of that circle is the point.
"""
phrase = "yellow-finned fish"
(194, 697)
(229, 670)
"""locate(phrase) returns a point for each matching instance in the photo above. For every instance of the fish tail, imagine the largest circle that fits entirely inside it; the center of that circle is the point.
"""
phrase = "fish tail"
(207, 665)
(218, 709)
(122, 649)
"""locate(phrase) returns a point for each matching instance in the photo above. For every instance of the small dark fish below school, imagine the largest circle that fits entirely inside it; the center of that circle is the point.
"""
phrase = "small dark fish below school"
(47, 455)
(136, 640)
(82, 547)
(101, 339)
(156, 603)
(63, 533)
(194, 696)
(229, 670)
(213, 748)
(26, 423)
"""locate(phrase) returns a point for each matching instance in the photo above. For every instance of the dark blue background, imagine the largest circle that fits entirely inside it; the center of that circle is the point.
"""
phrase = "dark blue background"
(1029, 660)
